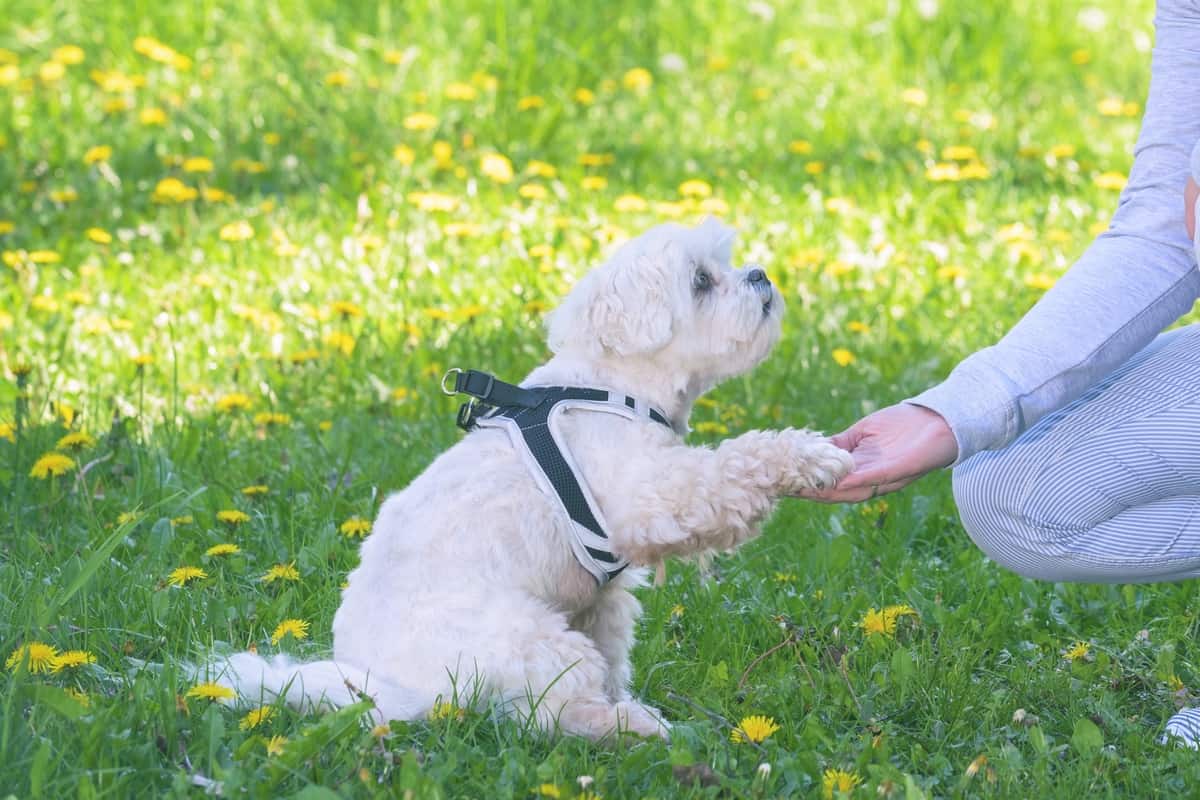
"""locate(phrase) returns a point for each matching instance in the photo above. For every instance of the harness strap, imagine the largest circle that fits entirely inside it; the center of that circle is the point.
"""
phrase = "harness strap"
(529, 417)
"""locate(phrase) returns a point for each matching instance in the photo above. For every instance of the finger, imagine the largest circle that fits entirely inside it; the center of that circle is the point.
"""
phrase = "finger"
(841, 494)
(849, 438)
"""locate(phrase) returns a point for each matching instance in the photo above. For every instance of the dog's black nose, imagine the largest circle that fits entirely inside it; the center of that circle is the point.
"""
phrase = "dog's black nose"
(756, 275)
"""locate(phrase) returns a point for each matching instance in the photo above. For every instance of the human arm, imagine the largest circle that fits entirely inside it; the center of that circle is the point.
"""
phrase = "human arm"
(1134, 281)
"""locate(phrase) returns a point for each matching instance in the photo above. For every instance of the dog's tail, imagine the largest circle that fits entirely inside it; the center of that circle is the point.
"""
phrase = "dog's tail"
(316, 685)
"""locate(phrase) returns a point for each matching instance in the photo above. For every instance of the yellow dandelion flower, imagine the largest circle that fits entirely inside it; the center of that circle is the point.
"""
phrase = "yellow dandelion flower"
(950, 273)
(695, 188)
(76, 440)
(98, 235)
(594, 183)
(785, 577)
(224, 549)
(974, 171)
(69, 659)
(7, 226)
(541, 169)
(800, 147)
(461, 91)
(1040, 280)
(44, 256)
(173, 190)
(1080, 57)
(630, 203)
(542, 251)
(197, 164)
(68, 54)
(858, 327)
(142, 359)
(843, 357)
(943, 171)
(432, 201)
(584, 96)
(814, 167)
(256, 717)
(238, 231)
(51, 464)
(677, 611)
(211, 691)
(232, 516)
(234, 401)
(355, 526)
(496, 167)
(186, 519)
(340, 341)
(275, 745)
(533, 191)
(36, 656)
(404, 154)
(915, 97)
(754, 728)
(255, 490)
(281, 572)
(345, 309)
(8, 431)
(52, 71)
(446, 710)
(1113, 181)
(128, 517)
(836, 781)
(157, 51)
(596, 159)
(152, 116)
(1110, 106)
(181, 576)
(959, 152)
(1077, 651)
(98, 153)
(338, 78)
(420, 121)
(531, 102)
(637, 79)
(298, 629)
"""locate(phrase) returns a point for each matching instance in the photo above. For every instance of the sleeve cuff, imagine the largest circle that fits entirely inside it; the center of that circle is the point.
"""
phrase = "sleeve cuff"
(978, 409)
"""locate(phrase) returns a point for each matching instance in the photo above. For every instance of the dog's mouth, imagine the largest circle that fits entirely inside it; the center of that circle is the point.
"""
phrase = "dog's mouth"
(767, 296)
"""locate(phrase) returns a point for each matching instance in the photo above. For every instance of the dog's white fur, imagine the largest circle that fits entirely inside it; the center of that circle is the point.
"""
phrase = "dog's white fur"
(467, 579)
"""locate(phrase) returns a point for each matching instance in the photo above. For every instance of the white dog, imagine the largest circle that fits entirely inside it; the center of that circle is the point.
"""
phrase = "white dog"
(471, 576)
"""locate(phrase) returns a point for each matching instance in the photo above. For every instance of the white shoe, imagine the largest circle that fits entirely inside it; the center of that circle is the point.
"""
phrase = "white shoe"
(1184, 729)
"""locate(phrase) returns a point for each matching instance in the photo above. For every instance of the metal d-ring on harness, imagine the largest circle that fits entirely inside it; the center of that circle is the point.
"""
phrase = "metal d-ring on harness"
(529, 416)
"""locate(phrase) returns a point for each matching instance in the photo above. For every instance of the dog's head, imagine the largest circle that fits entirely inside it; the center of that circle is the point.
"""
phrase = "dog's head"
(670, 298)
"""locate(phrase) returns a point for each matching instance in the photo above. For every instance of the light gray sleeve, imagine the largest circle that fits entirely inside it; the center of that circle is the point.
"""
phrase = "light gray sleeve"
(1131, 283)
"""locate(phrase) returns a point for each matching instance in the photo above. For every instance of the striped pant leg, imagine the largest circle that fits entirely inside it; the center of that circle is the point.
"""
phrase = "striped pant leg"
(1106, 489)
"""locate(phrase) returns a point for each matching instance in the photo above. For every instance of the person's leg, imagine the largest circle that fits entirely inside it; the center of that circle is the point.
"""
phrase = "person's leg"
(1106, 489)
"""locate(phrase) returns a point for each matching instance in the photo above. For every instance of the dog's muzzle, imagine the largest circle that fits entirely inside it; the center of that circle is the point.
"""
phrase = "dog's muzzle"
(756, 278)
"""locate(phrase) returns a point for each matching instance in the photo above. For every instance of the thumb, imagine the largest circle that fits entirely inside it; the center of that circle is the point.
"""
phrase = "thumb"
(849, 438)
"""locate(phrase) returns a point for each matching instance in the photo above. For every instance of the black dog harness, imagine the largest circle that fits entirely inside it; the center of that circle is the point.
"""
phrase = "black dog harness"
(529, 416)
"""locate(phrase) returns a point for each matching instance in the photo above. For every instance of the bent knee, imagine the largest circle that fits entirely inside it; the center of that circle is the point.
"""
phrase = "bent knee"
(995, 514)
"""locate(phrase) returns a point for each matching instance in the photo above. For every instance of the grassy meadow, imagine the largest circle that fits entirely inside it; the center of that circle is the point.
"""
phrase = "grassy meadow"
(242, 242)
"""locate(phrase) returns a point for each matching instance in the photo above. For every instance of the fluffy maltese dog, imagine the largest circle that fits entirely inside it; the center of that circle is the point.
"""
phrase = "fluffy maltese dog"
(473, 575)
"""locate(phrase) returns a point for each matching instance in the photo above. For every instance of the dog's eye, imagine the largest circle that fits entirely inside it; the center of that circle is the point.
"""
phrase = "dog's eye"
(701, 281)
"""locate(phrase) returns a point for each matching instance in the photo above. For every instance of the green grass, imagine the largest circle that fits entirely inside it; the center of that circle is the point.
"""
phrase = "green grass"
(928, 270)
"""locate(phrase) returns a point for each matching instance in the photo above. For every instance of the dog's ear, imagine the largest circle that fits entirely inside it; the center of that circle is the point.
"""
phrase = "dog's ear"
(623, 308)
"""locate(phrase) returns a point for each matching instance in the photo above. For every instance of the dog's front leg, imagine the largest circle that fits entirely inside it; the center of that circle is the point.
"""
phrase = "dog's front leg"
(698, 499)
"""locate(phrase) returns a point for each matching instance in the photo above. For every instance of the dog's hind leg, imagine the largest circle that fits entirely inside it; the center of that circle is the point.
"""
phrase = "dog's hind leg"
(557, 678)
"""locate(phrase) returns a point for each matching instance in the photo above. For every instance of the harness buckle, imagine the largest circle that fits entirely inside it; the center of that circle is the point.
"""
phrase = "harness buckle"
(466, 415)
(449, 372)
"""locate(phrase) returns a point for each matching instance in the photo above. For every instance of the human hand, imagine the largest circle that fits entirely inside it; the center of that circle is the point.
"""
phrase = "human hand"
(891, 448)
